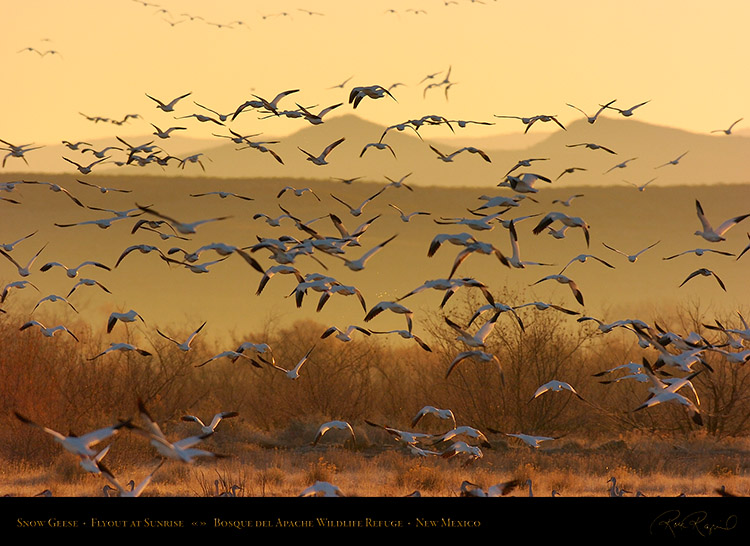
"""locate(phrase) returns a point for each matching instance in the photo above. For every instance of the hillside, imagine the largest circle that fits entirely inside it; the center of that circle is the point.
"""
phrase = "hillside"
(708, 158)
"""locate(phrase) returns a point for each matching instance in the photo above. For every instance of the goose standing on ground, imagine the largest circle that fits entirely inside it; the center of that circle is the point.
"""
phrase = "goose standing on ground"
(210, 428)
(322, 489)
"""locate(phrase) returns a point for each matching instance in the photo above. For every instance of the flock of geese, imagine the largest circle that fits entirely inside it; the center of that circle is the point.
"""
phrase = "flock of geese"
(679, 359)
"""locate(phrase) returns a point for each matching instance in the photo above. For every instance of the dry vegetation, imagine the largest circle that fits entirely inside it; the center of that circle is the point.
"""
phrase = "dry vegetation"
(658, 451)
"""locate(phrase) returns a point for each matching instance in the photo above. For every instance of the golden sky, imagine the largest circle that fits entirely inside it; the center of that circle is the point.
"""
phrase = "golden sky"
(507, 58)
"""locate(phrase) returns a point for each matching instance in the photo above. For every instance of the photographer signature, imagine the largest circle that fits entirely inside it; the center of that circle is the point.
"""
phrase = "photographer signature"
(674, 522)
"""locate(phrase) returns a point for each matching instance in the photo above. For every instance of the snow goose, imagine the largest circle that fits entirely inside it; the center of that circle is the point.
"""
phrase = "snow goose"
(53, 298)
(183, 345)
(543, 306)
(80, 445)
(445, 414)
(47, 332)
(321, 159)
(129, 316)
(562, 279)
(715, 235)
(23, 270)
(406, 335)
(403, 436)
(142, 248)
(88, 282)
(706, 273)
(583, 258)
(334, 425)
(592, 146)
(728, 130)
(373, 91)
(407, 217)
(699, 252)
(211, 426)
(567, 202)
(322, 489)
(515, 260)
(181, 450)
(555, 386)
(592, 119)
(344, 335)
(462, 448)
(627, 112)
(357, 211)
(232, 355)
(72, 272)
(359, 264)
(394, 307)
(632, 258)
(123, 491)
(620, 165)
(292, 373)
(570, 170)
(478, 339)
(185, 228)
(530, 440)
(169, 106)
(478, 356)
(19, 285)
(86, 169)
(570, 221)
(674, 161)
(124, 347)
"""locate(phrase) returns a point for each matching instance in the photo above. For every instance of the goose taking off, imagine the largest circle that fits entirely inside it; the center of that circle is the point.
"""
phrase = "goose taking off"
(334, 425)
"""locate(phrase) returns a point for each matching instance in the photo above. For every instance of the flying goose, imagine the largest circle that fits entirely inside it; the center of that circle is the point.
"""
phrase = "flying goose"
(562, 279)
(183, 345)
(167, 107)
(122, 491)
(293, 373)
(125, 347)
(632, 258)
(321, 159)
(210, 428)
(47, 332)
(333, 425)
(82, 445)
(715, 235)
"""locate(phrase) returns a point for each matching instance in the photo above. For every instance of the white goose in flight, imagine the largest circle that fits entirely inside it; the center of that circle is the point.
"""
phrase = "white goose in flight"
(88, 282)
(407, 217)
(23, 270)
(20, 285)
(478, 356)
(373, 91)
(562, 279)
(181, 450)
(293, 373)
(445, 414)
(48, 332)
(393, 307)
(344, 335)
(82, 445)
(334, 425)
(129, 316)
(210, 428)
(321, 159)
(169, 106)
(183, 345)
(570, 221)
(406, 335)
(359, 264)
(632, 258)
(583, 258)
(357, 211)
(515, 259)
(72, 272)
(186, 228)
(728, 130)
(715, 235)
(592, 119)
(706, 273)
(555, 386)
(674, 161)
(124, 347)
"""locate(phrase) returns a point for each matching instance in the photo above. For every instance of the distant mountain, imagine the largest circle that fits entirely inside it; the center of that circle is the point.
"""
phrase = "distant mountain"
(708, 159)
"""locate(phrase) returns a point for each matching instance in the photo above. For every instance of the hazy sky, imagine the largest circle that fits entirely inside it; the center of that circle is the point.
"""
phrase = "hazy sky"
(508, 58)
